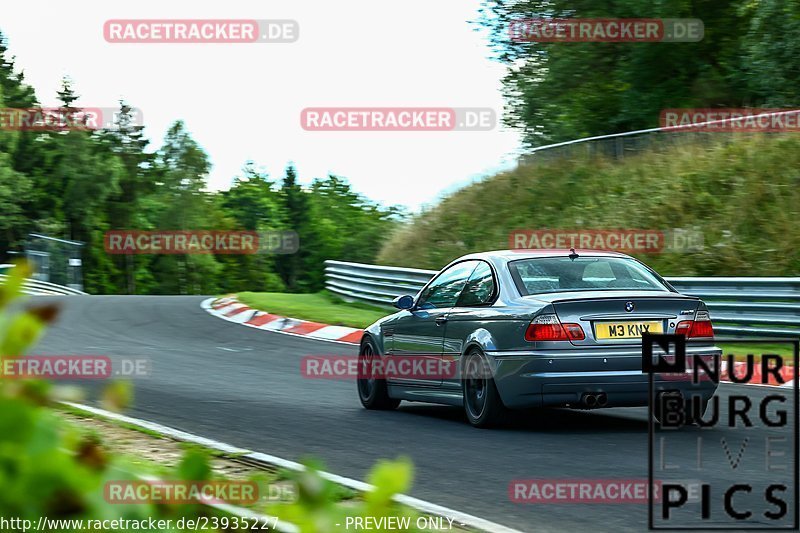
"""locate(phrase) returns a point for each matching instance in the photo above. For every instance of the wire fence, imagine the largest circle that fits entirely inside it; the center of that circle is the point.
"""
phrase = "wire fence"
(620, 145)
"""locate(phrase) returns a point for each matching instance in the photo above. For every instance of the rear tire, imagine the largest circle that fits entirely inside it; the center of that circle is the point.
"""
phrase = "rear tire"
(373, 392)
(482, 403)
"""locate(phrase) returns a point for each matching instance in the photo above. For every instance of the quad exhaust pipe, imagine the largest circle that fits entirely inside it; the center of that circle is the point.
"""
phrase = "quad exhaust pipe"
(594, 400)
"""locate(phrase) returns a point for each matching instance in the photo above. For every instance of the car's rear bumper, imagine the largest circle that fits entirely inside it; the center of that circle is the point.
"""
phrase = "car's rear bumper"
(563, 377)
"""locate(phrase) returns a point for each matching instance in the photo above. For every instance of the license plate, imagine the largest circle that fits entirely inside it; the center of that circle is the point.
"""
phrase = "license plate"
(626, 330)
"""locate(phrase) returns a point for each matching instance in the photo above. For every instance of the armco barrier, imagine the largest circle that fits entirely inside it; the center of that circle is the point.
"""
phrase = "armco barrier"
(43, 288)
(739, 306)
(372, 283)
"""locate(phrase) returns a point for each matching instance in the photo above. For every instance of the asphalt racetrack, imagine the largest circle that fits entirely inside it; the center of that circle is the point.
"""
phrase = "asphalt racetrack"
(244, 387)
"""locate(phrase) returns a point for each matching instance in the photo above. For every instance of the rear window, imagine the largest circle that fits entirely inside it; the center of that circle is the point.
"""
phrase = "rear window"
(562, 274)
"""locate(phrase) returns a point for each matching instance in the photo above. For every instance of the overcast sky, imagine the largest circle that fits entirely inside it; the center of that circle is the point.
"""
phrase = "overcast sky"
(243, 101)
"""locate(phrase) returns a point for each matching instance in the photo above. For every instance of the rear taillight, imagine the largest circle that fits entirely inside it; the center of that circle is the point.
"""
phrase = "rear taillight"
(683, 328)
(545, 328)
(549, 328)
(574, 332)
(700, 327)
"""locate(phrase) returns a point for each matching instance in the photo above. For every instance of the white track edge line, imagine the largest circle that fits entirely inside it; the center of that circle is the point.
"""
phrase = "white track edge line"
(420, 505)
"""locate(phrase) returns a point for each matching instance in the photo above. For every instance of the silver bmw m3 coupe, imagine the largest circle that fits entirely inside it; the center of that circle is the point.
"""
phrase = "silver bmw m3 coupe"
(533, 328)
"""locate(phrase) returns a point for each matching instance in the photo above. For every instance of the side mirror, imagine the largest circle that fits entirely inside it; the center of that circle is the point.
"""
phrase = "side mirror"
(403, 302)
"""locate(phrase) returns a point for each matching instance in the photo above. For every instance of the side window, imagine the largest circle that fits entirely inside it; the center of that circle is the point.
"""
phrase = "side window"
(444, 290)
(479, 288)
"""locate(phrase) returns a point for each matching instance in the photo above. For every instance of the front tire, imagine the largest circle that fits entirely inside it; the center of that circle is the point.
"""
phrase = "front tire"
(482, 403)
(373, 392)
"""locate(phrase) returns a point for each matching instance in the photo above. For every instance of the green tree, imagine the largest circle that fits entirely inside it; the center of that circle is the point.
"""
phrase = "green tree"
(562, 91)
(17, 94)
(14, 187)
(127, 141)
(296, 213)
(251, 204)
(79, 183)
(81, 174)
(771, 51)
(252, 201)
(346, 226)
(18, 155)
(181, 203)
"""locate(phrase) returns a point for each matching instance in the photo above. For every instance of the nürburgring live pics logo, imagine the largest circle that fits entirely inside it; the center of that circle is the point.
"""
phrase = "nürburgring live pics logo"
(741, 452)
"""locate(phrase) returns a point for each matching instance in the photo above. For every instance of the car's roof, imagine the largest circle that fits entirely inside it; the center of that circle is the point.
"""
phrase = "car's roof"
(530, 253)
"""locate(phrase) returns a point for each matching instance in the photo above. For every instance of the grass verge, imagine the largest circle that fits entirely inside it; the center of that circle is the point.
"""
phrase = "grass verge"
(741, 192)
(318, 307)
(740, 351)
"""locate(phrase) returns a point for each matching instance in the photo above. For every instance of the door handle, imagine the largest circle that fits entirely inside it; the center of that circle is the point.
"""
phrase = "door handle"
(440, 320)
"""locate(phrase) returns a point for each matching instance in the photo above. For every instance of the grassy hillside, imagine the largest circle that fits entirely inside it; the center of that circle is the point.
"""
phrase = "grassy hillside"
(743, 195)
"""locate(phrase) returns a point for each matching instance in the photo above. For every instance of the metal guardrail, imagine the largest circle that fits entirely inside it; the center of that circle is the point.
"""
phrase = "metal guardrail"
(372, 283)
(42, 288)
(739, 306)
